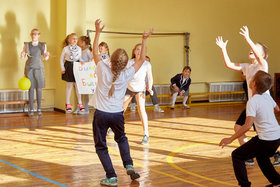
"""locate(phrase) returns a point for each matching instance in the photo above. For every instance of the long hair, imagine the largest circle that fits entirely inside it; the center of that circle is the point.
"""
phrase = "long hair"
(133, 50)
(104, 44)
(119, 61)
(66, 40)
(86, 39)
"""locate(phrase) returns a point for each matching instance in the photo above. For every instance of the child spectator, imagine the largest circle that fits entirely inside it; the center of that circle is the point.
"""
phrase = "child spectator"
(180, 84)
(84, 44)
(71, 53)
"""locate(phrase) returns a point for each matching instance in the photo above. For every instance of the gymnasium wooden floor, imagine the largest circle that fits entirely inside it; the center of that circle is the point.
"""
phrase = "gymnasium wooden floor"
(58, 149)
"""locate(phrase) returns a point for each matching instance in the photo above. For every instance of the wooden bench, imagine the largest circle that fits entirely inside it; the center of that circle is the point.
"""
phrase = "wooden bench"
(190, 99)
(15, 102)
(215, 93)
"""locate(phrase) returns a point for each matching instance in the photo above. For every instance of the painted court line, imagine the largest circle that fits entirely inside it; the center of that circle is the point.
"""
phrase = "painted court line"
(169, 159)
(159, 172)
(34, 174)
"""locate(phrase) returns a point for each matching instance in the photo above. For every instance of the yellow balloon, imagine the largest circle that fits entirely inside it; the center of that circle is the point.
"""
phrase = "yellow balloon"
(24, 84)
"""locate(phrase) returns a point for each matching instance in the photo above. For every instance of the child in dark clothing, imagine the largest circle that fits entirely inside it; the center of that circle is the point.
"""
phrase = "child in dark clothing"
(180, 84)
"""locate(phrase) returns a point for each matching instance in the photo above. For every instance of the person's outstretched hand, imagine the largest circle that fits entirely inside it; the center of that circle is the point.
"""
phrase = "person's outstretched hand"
(244, 31)
(224, 142)
(147, 34)
(98, 27)
(221, 43)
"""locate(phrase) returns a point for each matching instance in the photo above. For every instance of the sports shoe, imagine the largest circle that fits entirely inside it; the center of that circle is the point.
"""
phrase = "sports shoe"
(145, 139)
(110, 131)
(249, 162)
(81, 108)
(172, 107)
(158, 109)
(186, 106)
(132, 107)
(39, 112)
(131, 171)
(113, 181)
(276, 159)
(30, 113)
(68, 108)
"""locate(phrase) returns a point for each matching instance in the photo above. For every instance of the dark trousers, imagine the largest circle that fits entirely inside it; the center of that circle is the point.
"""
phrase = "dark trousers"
(153, 97)
(262, 150)
(101, 122)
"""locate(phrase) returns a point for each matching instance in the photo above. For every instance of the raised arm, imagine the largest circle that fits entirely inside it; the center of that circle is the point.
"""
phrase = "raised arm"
(228, 63)
(245, 32)
(138, 63)
(98, 30)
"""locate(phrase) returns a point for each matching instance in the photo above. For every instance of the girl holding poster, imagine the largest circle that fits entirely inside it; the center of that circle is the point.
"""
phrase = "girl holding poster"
(84, 44)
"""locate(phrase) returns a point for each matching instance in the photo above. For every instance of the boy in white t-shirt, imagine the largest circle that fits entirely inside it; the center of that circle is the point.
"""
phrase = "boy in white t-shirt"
(258, 55)
(260, 111)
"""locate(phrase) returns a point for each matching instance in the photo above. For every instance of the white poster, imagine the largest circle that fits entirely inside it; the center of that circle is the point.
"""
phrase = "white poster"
(85, 77)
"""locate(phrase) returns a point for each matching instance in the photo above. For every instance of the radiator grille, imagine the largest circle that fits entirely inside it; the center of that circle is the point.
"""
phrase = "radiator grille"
(224, 87)
(12, 95)
(161, 90)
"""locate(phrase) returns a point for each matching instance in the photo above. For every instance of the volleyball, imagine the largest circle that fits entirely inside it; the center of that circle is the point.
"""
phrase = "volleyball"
(24, 84)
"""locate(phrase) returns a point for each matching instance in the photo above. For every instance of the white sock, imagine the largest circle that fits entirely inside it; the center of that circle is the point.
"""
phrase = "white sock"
(69, 87)
(174, 97)
(185, 100)
(79, 97)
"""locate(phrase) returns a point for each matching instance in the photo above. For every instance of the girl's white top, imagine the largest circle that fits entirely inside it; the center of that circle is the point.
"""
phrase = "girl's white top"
(87, 55)
(71, 54)
(100, 99)
(138, 83)
(249, 70)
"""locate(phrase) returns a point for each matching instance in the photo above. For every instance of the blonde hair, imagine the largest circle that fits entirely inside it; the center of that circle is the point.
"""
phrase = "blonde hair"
(35, 30)
(263, 81)
(104, 44)
(119, 61)
(66, 40)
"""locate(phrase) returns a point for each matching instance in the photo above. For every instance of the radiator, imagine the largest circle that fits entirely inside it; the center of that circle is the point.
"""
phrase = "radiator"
(161, 90)
(224, 87)
(11, 95)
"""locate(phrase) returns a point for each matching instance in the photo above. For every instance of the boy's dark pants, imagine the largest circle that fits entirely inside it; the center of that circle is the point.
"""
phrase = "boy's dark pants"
(101, 122)
(262, 150)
